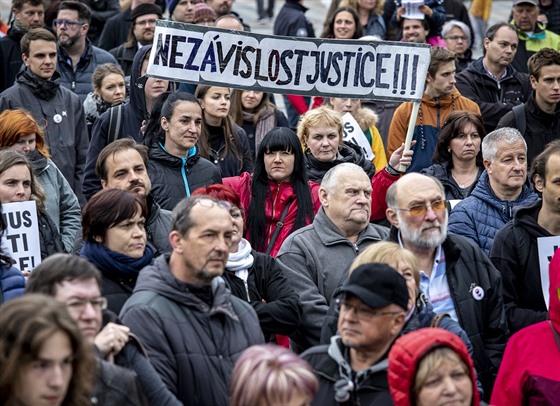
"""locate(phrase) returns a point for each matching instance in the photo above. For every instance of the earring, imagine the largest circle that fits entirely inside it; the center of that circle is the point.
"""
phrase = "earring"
(448, 149)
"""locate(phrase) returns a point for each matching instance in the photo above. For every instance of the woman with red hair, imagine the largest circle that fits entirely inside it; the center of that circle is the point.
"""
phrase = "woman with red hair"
(20, 132)
(255, 277)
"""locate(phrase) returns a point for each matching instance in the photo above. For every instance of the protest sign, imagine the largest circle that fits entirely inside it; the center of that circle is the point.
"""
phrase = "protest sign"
(306, 66)
(354, 134)
(412, 9)
(22, 233)
(547, 247)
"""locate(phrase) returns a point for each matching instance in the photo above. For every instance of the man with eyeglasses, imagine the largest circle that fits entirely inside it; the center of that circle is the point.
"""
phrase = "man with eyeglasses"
(75, 282)
(502, 187)
(27, 14)
(59, 111)
(352, 369)
(455, 275)
(532, 34)
(77, 57)
(141, 33)
(193, 328)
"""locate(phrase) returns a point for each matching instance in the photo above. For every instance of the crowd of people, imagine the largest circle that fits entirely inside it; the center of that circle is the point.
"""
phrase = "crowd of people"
(201, 247)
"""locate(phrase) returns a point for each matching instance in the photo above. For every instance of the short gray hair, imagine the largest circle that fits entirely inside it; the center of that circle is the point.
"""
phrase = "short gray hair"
(448, 26)
(490, 142)
(329, 180)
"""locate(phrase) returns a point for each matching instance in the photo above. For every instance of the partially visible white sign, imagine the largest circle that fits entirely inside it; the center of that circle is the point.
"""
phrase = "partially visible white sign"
(412, 9)
(22, 233)
(354, 134)
(547, 247)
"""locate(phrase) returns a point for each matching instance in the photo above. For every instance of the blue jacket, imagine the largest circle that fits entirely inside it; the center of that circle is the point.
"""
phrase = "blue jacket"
(482, 214)
(12, 283)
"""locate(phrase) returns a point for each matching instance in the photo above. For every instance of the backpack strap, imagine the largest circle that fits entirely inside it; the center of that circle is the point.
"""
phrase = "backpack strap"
(279, 226)
(436, 321)
(115, 123)
(520, 120)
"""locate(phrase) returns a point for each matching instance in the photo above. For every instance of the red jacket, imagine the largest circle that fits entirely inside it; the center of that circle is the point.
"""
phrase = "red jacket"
(284, 191)
(529, 373)
(408, 350)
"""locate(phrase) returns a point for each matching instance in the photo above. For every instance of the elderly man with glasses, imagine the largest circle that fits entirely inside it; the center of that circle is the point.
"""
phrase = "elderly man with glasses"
(455, 275)
(77, 57)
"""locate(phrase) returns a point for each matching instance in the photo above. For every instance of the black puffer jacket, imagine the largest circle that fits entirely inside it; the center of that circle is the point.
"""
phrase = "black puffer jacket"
(484, 320)
(50, 239)
(192, 345)
(495, 98)
(270, 294)
(115, 385)
(174, 178)
(350, 153)
(443, 174)
(10, 54)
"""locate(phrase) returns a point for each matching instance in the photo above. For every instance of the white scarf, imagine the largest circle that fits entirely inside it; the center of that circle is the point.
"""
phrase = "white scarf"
(241, 261)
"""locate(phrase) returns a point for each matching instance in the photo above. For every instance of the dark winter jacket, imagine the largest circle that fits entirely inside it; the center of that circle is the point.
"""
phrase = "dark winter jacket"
(464, 61)
(516, 255)
(494, 98)
(64, 122)
(349, 152)
(115, 385)
(79, 80)
(192, 345)
(483, 318)
(12, 282)
(116, 30)
(331, 363)
(125, 57)
(270, 294)
(540, 127)
(452, 189)
(291, 21)
(50, 239)
(158, 227)
(133, 113)
(482, 214)
(227, 162)
(174, 178)
(10, 55)
(249, 127)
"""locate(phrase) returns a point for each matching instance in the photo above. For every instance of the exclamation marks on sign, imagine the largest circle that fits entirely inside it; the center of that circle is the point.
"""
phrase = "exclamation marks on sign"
(414, 73)
(396, 73)
(403, 73)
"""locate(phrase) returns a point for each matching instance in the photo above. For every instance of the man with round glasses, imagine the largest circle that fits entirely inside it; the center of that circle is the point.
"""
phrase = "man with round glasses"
(455, 275)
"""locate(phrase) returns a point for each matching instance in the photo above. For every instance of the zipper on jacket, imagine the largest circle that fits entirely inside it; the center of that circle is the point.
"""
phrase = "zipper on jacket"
(184, 171)
(247, 290)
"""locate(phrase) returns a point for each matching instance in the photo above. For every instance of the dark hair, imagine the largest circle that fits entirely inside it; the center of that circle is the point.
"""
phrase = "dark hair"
(18, 4)
(543, 57)
(107, 208)
(232, 143)
(84, 12)
(236, 111)
(438, 57)
(5, 259)
(425, 23)
(278, 139)
(538, 167)
(34, 35)
(492, 31)
(328, 32)
(124, 144)
(60, 268)
(452, 126)
(9, 159)
(27, 323)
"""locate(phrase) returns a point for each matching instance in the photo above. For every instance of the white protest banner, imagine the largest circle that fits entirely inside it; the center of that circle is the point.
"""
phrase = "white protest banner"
(547, 246)
(22, 233)
(305, 66)
(354, 134)
(412, 9)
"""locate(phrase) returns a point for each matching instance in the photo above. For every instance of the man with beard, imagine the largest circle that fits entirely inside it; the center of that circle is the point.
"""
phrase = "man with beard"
(316, 258)
(141, 33)
(77, 57)
(501, 187)
(491, 81)
(28, 14)
(455, 276)
(194, 330)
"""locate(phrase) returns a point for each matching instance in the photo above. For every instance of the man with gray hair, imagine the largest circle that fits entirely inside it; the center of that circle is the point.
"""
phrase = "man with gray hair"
(316, 258)
(194, 330)
(455, 276)
(500, 188)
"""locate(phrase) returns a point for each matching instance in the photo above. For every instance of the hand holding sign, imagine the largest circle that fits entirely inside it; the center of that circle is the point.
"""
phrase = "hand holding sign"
(22, 233)
(412, 10)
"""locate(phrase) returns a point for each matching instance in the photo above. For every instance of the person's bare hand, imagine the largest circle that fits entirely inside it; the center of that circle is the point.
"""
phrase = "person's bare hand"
(400, 13)
(401, 157)
(426, 10)
(542, 18)
(112, 338)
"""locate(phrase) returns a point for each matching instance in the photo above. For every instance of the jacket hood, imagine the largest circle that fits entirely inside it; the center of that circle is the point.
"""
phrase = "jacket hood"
(137, 99)
(406, 354)
(554, 290)
(527, 217)
(366, 118)
(441, 102)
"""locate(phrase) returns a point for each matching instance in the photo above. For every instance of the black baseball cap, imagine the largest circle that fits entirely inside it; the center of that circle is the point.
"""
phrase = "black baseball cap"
(377, 285)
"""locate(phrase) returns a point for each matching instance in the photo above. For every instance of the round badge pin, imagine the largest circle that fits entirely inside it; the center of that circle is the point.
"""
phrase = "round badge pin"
(478, 293)
(57, 118)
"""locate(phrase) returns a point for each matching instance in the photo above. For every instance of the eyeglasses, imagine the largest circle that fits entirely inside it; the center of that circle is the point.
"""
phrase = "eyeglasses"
(456, 38)
(419, 210)
(79, 305)
(206, 202)
(66, 23)
(362, 313)
(146, 22)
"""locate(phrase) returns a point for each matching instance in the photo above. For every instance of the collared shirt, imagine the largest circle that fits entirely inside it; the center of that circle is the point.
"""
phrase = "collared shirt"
(435, 287)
